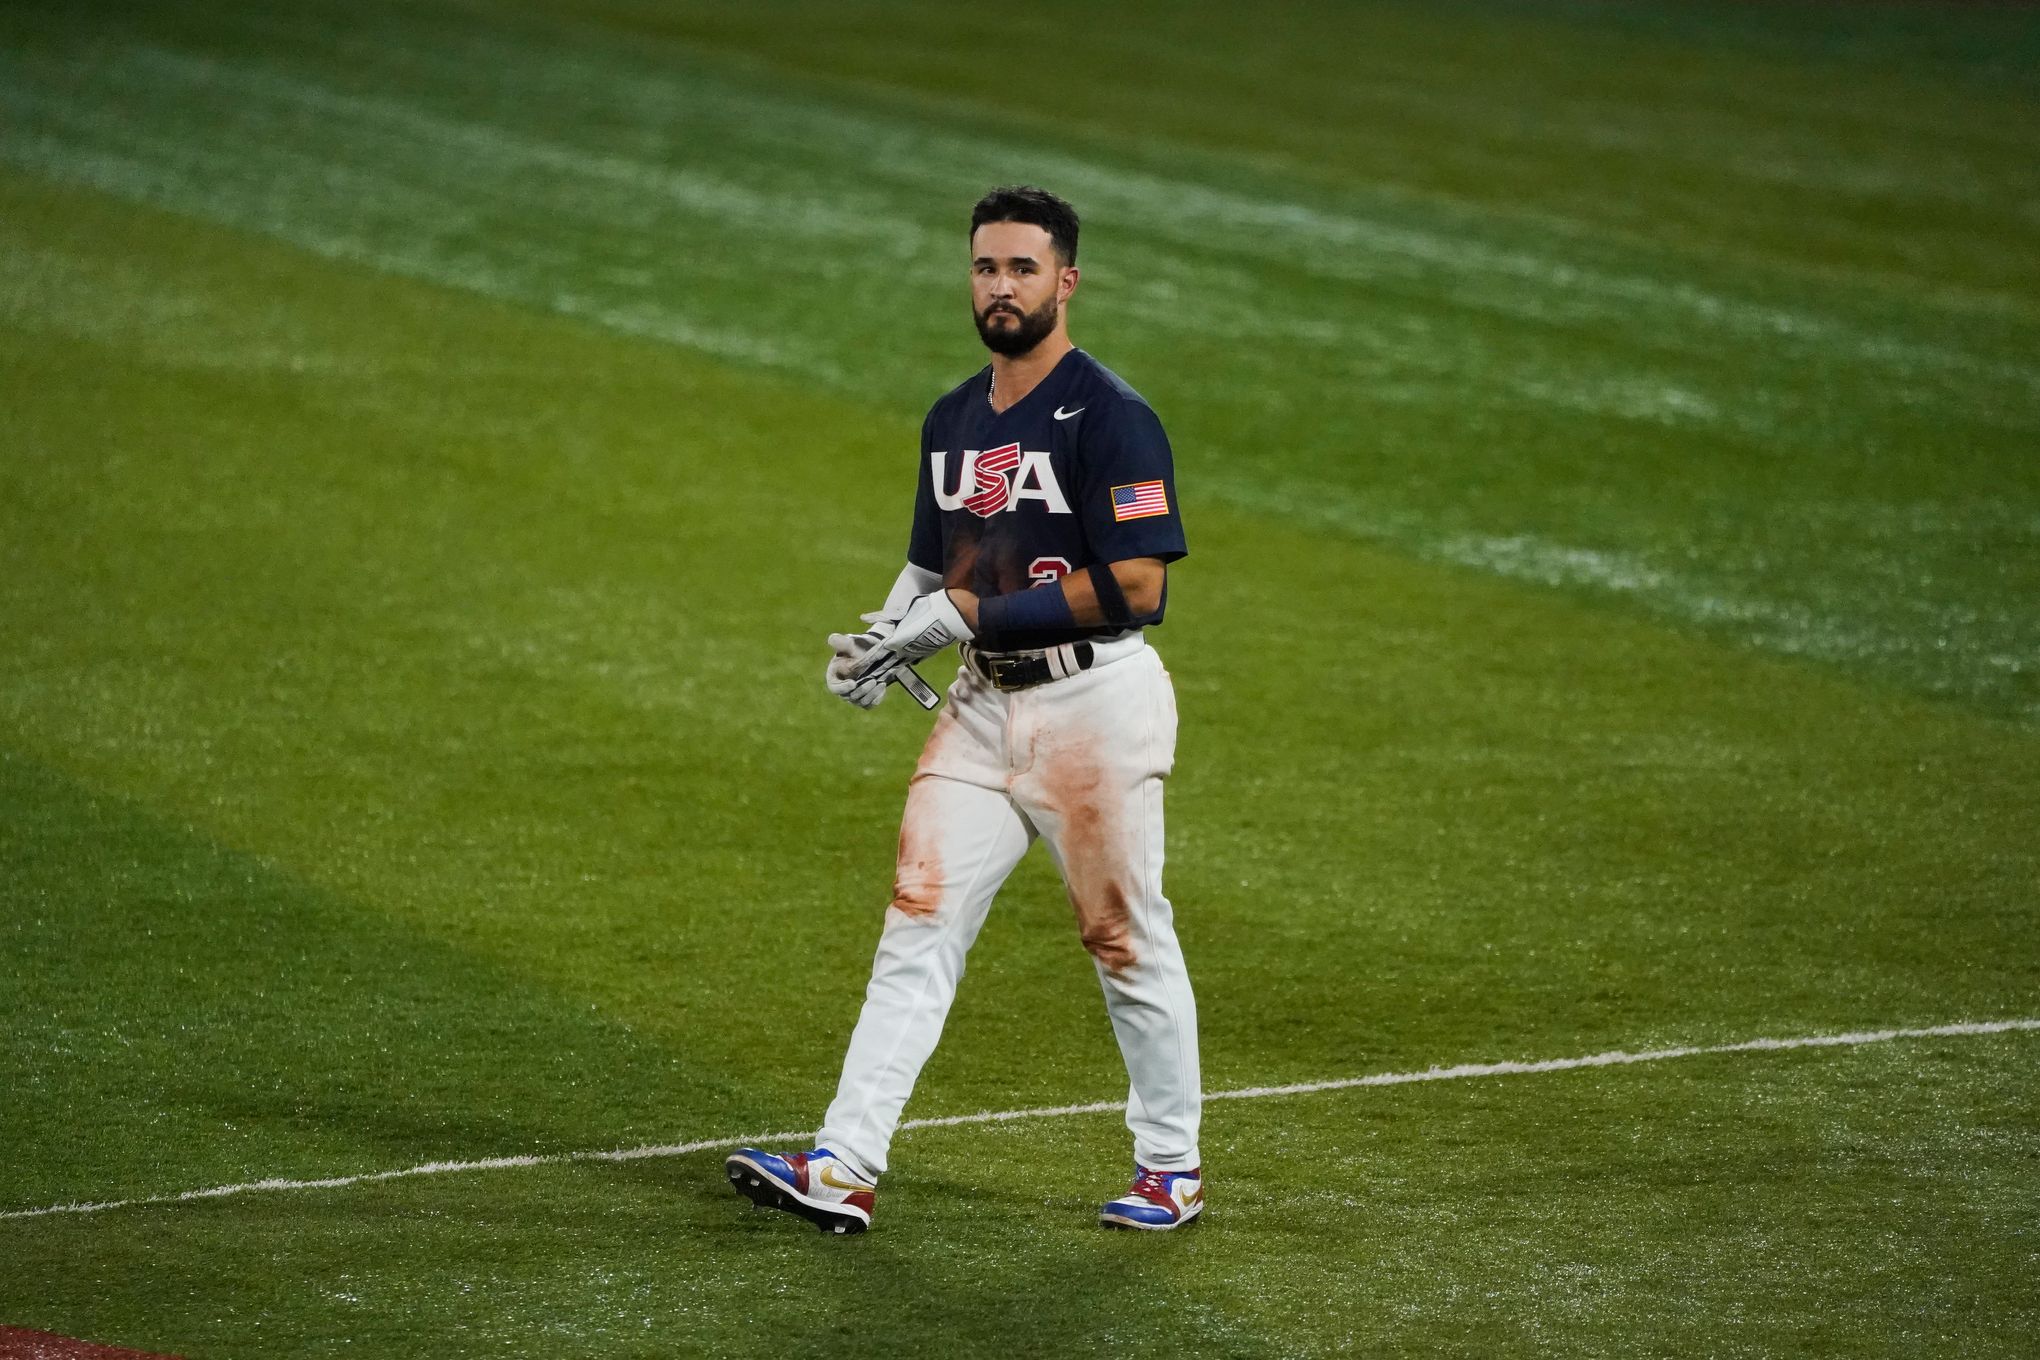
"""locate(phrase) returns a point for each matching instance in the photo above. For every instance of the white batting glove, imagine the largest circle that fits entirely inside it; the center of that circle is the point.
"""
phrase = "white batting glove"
(850, 651)
(930, 624)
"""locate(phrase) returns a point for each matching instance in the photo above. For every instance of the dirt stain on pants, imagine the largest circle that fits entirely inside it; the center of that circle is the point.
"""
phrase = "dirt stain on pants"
(1095, 862)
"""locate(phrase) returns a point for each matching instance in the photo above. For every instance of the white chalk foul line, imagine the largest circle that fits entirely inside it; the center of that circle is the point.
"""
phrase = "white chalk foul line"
(1616, 1058)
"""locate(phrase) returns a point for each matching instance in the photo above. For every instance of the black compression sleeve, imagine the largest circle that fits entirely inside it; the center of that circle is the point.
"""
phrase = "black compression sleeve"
(1111, 598)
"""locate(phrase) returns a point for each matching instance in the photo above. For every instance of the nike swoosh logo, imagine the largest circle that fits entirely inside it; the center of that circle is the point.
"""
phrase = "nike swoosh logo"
(829, 1177)
(1061, 414)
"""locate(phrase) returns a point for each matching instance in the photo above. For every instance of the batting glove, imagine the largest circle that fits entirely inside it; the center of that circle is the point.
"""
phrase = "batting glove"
(850, 650)
(930, 624)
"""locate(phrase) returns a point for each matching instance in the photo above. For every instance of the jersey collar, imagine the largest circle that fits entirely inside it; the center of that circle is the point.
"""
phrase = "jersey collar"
(1052, 385)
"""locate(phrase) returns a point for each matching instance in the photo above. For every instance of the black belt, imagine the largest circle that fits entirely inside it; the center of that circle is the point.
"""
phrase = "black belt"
(1024, 670)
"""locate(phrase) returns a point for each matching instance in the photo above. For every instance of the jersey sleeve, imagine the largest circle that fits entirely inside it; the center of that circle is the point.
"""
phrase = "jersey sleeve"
(924, 543)
(1129, 487)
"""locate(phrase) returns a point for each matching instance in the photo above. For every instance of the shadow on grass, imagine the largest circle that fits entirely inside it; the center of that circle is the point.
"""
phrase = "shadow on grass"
(1002, 1264)
(183, 1014)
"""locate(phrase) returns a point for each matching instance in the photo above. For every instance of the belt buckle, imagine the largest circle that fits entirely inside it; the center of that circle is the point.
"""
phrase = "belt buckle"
(996, 670)
(983, 667)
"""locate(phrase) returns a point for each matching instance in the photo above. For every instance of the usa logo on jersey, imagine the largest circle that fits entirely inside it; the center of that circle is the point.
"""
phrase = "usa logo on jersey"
(991, 480)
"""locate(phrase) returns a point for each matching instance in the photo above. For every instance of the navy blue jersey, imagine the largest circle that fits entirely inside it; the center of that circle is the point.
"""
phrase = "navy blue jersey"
(1076, 472)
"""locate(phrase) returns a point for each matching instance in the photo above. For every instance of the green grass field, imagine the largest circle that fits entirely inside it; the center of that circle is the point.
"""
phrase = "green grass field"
(434, 440)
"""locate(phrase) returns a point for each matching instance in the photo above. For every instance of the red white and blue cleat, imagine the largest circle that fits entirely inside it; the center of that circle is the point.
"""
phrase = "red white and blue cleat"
(1158, 1201)
(816, 1185)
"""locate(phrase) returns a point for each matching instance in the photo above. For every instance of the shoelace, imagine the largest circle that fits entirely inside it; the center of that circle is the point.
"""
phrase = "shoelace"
(1153, 1186)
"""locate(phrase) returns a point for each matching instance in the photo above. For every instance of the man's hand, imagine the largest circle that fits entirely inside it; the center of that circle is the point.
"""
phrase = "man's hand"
(930, 624)
(850, 652)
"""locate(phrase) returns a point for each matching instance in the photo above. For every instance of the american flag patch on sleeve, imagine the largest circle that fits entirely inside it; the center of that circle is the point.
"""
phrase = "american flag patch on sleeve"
(1138, 500)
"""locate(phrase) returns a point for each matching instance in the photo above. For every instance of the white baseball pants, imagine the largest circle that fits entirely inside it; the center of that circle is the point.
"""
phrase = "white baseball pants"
(1080, 763)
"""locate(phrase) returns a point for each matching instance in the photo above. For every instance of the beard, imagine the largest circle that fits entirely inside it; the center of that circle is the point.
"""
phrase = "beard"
(1029, 328)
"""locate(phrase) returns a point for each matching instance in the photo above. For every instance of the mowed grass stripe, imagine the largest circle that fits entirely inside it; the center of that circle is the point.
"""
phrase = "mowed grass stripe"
(424, 131)
(1469, 388)
(1890, 143)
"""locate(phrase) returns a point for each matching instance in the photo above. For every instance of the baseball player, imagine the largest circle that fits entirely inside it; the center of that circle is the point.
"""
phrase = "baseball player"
(1044, 520)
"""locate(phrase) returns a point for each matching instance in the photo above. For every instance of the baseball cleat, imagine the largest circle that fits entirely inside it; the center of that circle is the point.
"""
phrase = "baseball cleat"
(1158, 1201)
(815, 1185)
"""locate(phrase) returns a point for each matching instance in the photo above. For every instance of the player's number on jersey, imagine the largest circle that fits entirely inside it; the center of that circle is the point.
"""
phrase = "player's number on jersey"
(1042, 570)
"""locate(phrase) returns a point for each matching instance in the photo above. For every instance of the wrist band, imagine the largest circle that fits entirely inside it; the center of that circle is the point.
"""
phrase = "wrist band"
(1041, 609)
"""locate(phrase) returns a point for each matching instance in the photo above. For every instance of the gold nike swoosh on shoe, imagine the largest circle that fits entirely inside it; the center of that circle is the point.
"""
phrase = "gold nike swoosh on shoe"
(829, 1178)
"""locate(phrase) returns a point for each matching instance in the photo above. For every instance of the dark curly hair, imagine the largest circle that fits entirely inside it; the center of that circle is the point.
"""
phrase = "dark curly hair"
(1037, 207)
